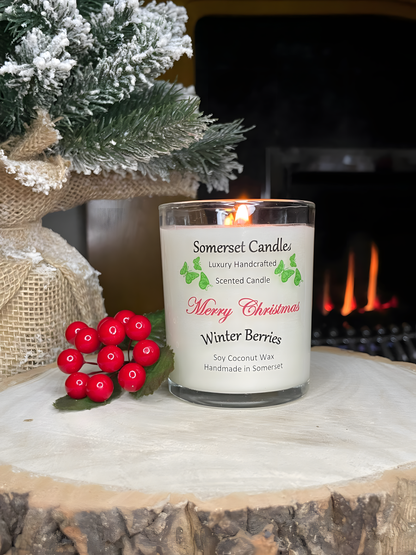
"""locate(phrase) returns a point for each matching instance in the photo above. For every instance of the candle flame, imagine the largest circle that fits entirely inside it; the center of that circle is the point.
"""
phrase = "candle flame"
(242, 216)
(229, 220)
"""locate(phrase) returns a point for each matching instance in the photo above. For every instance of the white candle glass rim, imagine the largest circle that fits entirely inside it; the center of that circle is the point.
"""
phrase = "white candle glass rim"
(214, 212)
(230, 203)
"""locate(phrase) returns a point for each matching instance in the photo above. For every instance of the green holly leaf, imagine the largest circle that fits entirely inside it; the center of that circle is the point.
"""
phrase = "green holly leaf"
(67, 403)
(197, 265)
(286, 275)
(157, 373)
(298, 277)
(280, 267)
(158, 333)
(204, 281)
(184, 269)
(292, 261)
(190, 276)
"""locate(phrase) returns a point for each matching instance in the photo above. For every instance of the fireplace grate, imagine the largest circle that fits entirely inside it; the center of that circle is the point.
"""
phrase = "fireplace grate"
(397, 343)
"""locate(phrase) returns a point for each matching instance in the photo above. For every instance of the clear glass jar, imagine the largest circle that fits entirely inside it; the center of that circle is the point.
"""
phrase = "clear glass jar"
(237, 278)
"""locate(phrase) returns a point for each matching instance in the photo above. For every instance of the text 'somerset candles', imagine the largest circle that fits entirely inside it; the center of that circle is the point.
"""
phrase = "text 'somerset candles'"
(237, 281)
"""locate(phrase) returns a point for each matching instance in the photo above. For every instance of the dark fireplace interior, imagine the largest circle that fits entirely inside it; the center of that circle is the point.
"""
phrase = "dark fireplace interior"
(332, 99)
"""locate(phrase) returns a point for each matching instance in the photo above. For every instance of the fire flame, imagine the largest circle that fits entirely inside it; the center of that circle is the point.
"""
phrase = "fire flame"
(372, 280)
(350, 304)
(242, 216)
(229, 220)
(349, 299)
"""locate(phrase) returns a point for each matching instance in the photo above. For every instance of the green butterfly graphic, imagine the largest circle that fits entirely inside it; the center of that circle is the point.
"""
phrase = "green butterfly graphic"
(197, 266)
(280, 268)
(287, 273)
(190, 276)
(204, 281)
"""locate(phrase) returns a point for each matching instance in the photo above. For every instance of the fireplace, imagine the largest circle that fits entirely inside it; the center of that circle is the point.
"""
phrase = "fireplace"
(332, 98)
(364, 297)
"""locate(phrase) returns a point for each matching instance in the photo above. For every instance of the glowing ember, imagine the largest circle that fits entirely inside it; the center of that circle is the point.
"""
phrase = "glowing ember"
(378, 305)
(392, 303)
(349, 299)
(242, 217)
(327, 303)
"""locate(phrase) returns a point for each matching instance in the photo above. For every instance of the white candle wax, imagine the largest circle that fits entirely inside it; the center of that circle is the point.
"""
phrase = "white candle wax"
(238, 305)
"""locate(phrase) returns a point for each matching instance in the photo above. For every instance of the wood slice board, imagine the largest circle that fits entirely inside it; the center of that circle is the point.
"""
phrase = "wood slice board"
(334, 472)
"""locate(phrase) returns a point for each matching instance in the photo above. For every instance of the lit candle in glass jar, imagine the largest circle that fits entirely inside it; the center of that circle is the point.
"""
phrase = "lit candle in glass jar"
(237, 281)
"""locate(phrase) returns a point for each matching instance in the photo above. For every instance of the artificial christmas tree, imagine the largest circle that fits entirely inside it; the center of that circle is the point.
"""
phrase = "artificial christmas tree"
(82, 117)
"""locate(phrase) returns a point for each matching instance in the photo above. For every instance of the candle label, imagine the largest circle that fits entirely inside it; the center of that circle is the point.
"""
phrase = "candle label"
(238, 306)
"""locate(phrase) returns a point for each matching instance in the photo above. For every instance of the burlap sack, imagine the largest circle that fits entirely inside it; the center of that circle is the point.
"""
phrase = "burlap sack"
(45, 283)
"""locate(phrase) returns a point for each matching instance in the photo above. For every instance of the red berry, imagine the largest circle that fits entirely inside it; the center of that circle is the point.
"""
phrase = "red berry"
(132, 377)
(87, 340)
(111, 332)
(102, 321)
(138, 328)
(110, 358)
(70, 361)
(76, 385)
(99, 388)
(146, 352)
(124, 316)
(72, 330)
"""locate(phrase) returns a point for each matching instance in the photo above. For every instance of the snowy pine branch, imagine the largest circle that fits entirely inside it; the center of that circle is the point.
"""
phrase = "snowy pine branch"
(134, 132)
(91, 90)
(88, 7)
(149, 40)
(49, 16)
(36, 73)
(212, 158)
(93, 65)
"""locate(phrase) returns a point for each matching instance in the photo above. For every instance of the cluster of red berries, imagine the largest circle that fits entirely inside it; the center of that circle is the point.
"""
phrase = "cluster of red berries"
(110, 332)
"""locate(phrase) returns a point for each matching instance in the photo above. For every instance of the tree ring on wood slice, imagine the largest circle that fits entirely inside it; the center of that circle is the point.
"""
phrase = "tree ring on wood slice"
(332, 473)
